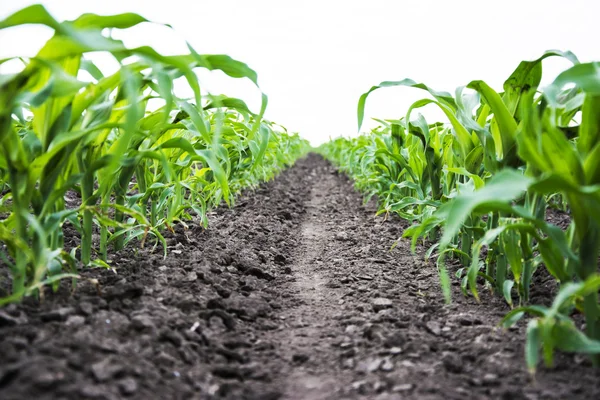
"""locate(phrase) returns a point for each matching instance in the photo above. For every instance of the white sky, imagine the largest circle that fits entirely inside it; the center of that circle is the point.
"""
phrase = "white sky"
(315, 58)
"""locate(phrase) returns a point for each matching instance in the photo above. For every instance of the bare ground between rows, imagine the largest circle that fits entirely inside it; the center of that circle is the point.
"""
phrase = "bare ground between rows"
(292, 294)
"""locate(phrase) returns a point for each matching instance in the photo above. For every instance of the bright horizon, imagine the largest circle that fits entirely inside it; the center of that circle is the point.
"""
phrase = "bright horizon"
(314, 59)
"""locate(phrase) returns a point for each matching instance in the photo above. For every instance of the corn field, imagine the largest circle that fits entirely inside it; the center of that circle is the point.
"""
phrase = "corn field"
(479, 185)
(122, 164)
(136, 170)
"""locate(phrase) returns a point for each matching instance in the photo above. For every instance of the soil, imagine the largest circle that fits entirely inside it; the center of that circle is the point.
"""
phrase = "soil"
(292, 294)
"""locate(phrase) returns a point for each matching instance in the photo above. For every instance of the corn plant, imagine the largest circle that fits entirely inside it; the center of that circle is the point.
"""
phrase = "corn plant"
(487, 176)
(138, 170)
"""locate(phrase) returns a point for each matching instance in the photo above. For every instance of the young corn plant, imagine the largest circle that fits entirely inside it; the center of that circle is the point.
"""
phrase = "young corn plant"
(487, 176)
(137, 170)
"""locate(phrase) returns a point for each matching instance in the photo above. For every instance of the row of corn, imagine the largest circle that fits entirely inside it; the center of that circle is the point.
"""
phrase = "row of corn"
(139, 158)
(480, 187)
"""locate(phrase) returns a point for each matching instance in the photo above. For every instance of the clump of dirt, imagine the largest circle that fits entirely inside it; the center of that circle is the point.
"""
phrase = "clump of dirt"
(292, 294)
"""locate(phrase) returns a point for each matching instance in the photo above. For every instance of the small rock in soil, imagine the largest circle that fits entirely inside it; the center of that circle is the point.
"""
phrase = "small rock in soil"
(387, 365)
(362, 387)
(47, 379)
(60, 314)
(128, 386)
(75, 321)
(395, 340)
(191, 277)
(221, 291)
(434, 328)
(452, 363)
(346, 345)
(342, 236)
(248, 308)
(227, 319)
(351, 329)
(374, 365)
(86, 308)
(405, 387)
(381, 303)
(106, 369)
(490, 379)
(365, 277)
(348, 363)
(165, 359)
(93, 392)
(141, 322)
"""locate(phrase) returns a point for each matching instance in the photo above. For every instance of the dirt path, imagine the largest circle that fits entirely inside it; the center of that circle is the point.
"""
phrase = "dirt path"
(307, 327)
(292, 294)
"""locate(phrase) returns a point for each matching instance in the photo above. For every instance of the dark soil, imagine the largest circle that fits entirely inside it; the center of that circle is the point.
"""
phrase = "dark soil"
(292, 294)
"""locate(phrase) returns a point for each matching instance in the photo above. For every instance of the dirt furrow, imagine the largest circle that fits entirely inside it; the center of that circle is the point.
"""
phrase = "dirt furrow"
(313, 374)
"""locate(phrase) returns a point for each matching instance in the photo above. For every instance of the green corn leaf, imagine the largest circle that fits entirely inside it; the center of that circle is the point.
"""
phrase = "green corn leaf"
(501, 189)
(527, 76)
(568, 338)
(442, 97)
(503, 117)
(507, 292)
(585, 76)
(35, 14)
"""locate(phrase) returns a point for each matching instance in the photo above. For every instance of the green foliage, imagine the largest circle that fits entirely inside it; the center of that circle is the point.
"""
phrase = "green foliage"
(137, 169)
(485, 180)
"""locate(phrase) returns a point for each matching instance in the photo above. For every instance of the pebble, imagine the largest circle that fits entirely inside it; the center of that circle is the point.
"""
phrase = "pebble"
(47, 379)
(75, 321)
(351, 329)
(348, 363)
(191, 277)
(434, 328)
(490, 379)
(387, 365)
(360, 386)
(128, 386)
(404, 387)
(396, 339)
(341, 236)
(141, 322)
(365, 277)
(381, 303)
(86, 308)
(370, 365)
(105, 369)
(93, 392)
(452, 363)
